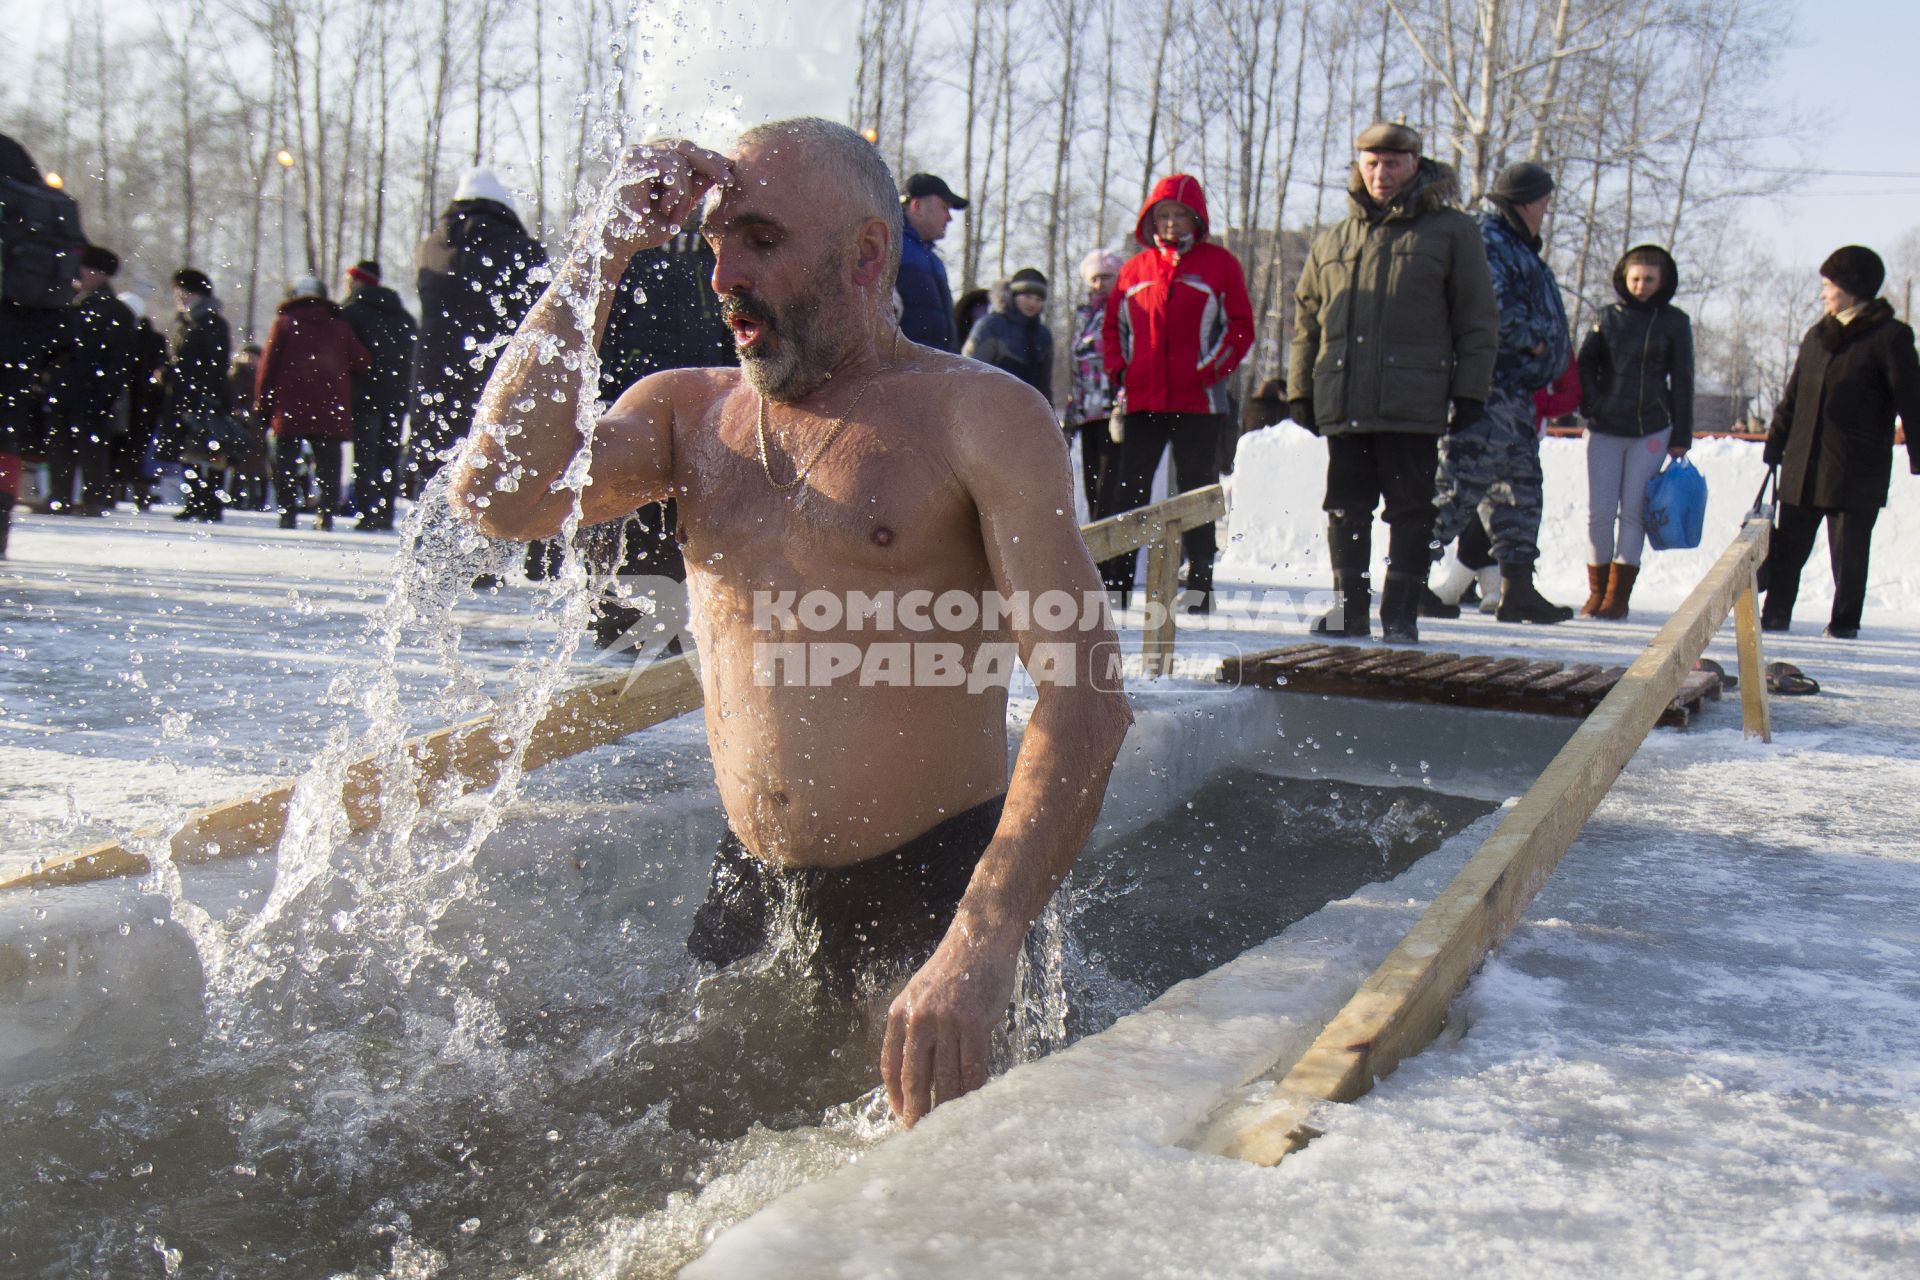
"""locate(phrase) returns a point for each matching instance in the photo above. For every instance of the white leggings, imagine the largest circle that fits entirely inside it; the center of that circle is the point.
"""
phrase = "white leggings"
(1618, 469)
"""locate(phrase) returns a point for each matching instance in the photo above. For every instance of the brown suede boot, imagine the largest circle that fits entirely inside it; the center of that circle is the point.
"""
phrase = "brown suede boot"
(1619, 592)
(1596, 589)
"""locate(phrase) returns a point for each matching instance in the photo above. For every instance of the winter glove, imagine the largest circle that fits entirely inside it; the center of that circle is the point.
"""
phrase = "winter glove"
(1301, 411)
(1775, 451)
(1466, 412)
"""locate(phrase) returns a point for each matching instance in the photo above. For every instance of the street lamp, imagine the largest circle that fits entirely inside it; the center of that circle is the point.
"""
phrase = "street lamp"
(284, 158)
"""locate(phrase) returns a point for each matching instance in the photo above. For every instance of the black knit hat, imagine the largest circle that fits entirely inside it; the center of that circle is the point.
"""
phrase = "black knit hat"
(105, 261)
(193, 282)
(1027, 280)
(1857, 269)
(1522, 183)
(366, 271)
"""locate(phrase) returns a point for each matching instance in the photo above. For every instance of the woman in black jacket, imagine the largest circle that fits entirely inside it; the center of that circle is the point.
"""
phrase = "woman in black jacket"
(1832, 437)
(1636, 393)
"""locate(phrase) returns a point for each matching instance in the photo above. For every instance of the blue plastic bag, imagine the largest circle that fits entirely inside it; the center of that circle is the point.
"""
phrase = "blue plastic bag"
(1676, 506)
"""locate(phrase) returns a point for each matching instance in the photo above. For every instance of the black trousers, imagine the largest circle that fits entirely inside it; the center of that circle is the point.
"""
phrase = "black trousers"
(1365, 469)
(326, 473)
(1849, 539)
(872, 920)
(1195, 438)
(79, 445)
(1100, 475)
(376, 467)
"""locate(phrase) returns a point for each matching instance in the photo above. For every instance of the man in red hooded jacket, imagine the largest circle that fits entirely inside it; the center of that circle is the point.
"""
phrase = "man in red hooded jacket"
(1178, 323)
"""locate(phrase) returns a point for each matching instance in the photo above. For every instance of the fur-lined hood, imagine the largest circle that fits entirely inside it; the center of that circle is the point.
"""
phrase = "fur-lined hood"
(1434, 186)
(1833, 335)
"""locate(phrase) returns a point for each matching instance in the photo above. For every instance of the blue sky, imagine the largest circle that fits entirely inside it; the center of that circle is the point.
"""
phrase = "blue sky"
(1855, 67)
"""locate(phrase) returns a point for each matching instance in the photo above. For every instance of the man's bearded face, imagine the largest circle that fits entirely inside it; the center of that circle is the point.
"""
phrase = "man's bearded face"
(787, 349)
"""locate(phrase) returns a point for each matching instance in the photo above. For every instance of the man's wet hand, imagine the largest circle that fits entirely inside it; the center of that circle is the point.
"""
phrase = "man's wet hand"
(939, 1026)
(655, 188)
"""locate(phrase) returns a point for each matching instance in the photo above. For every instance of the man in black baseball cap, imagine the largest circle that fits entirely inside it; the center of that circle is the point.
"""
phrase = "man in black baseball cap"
(926, 300)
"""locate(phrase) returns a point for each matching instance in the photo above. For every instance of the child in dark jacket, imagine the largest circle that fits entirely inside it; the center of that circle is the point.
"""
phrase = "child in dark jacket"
(1636, 393)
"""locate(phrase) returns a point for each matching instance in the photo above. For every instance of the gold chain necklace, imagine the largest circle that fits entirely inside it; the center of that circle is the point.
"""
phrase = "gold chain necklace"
(804, 469)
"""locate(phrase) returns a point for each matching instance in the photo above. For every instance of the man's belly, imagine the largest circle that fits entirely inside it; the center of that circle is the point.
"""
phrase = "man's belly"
(827, 776)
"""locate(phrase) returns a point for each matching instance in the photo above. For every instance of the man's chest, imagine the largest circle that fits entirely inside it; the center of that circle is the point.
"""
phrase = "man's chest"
(870, 502)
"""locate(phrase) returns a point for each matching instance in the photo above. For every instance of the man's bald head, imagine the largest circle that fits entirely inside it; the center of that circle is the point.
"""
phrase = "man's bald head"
(838, 166)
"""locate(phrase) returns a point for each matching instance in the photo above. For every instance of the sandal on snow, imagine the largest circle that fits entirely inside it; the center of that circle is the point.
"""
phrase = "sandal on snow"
(1726, 681)
(1786, 679)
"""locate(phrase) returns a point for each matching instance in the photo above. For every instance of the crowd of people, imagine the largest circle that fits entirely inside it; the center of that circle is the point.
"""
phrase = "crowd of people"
(1429, 346)
(92, 387)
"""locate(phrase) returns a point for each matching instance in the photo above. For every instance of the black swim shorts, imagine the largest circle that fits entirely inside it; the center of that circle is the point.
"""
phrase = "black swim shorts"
(875, 919)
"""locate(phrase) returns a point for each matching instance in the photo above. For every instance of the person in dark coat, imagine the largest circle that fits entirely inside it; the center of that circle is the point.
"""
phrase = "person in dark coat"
(476, 283)
(381, 322)
(1832, 437)
(1400, 284)
(927, 205)
(197, 391)
(92, 373)
(665, 315)
(249, 460)
(1636, 393)
(1014, 338)
(970, 310)
(29, 337)
(146, 402)
(305, 393)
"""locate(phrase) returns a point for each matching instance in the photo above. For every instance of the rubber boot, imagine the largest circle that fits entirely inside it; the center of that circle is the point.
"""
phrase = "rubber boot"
(1520, 602)
(1619, 592)
(1400, 606)
(1352, 612)
(1489, 588)
(1598, 579)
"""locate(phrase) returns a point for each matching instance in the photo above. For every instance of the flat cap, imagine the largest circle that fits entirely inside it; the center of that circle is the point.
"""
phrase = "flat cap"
(1388, 136)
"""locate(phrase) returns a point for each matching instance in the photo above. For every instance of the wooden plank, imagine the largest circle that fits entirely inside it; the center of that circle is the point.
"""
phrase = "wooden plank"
(1241, 668)
(1522, 676)
(1479, 676)
(450, 761)
(1143, 526)
(1600, 683)
(1163, 585)
(1428, 662)
(1756, 715)
(1404, 661)
(1402, 1006)
(1344, 658)
(1439, 674)
(1561, 681)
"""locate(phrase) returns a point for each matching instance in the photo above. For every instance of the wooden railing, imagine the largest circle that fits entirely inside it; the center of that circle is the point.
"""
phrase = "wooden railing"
(1403, 1005)
(466, 757)
(1157, 528)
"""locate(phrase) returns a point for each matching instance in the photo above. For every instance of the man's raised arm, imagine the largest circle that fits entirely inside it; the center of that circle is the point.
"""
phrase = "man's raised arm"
(1013, 461)
(525, 431)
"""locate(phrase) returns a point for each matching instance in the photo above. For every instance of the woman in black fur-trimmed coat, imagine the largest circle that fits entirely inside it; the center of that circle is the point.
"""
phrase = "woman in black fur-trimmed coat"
(1832, 437)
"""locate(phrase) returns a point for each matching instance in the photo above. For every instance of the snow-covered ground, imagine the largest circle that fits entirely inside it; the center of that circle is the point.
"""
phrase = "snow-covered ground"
(1696, 1056)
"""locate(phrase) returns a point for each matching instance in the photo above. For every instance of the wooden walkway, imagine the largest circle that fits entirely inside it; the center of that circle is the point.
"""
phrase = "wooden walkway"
(1419, 675)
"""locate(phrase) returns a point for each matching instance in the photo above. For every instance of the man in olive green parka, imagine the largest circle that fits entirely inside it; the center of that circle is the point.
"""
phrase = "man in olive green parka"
(1394, 339)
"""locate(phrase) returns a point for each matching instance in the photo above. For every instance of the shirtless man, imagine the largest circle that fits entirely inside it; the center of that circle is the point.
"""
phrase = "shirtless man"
(842, 459)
